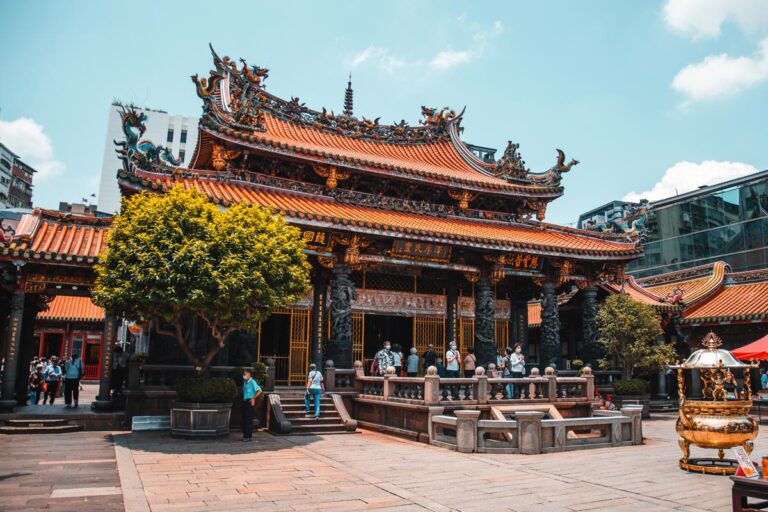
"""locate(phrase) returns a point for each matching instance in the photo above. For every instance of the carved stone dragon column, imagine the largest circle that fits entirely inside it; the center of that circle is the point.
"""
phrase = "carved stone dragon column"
(550, 327)
(485, 328)
(342, 295)
(590, 351)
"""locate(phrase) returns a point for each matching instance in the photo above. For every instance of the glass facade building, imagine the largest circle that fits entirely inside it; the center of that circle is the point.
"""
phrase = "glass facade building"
(727, 222)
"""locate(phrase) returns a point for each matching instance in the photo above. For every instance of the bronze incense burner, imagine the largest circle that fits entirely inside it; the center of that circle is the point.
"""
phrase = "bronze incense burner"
(720, 419)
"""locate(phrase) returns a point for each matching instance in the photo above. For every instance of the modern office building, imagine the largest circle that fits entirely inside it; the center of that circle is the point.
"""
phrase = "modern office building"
(176, 132)
(724, 222)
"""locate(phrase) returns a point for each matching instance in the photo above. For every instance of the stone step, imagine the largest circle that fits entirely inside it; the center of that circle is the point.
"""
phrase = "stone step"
(37, 422)
(59, 429)
(300, 407)
(317, 429)
(300, 400)
(330, 420)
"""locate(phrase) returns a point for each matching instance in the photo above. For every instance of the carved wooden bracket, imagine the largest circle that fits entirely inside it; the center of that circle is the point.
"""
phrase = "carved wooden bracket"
(221, 155)
(463, 197)
(472, 277)
(332, 175)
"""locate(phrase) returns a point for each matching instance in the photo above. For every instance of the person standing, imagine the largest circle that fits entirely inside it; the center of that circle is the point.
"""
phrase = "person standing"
(452, 368)
(430, 357)
(517, 368)
(506, 372)
(397, 359)
(52, 380)
(412, 364)
(384, 358)
(314, 390)
(470, 363)
(35, 384)
(763, 379)
(73, 372)
(251, 390)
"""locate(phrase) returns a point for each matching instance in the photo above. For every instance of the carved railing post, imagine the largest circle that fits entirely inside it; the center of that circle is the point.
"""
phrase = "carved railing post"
(550, 327)
(389, 386)
(342, 295)
(270, 384)
(635, 412)
(431, 387)
(485, 321)
(590, 351)
(589, 387)
(466, 430)
(359, 372)
(330, 376)
(481, 388)
(529, 431)
(549, 373)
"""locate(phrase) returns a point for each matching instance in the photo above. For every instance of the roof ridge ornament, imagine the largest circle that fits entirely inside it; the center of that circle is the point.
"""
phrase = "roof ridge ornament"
(633, 224)
(144, 154)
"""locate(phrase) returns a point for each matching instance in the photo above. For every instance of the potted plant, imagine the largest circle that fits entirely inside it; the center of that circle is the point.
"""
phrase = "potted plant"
(631, 336)
(577, 363)
(203, 406)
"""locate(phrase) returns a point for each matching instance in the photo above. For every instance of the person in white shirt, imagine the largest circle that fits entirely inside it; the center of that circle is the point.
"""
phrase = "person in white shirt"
(517, 368)
(314, 390)
(452, 367)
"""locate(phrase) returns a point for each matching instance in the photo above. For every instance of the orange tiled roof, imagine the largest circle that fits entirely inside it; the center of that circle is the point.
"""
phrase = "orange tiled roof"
(65, 308)
(303, 208)
(49, 235)
(438, 160)
(734, 302)
(696, 289)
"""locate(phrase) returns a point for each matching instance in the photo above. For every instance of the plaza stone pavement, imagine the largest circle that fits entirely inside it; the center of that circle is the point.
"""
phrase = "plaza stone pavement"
(366, 471)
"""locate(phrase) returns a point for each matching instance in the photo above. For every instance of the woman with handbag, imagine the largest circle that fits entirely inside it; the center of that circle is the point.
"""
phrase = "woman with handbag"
(314, 389)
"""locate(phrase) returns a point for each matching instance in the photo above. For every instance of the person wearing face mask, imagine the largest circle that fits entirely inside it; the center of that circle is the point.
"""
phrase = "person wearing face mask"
(384, 358)
(517, 368)
(452, 366)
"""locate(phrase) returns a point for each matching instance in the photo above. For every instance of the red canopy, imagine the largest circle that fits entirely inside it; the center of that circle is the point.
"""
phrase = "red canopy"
(755, 350)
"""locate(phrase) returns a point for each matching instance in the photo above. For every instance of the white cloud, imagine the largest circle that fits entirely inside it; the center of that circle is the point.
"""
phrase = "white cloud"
(379, 57)
(703, 18)
(721, 75)
(28, 139)
(449, 58)
(687, 176)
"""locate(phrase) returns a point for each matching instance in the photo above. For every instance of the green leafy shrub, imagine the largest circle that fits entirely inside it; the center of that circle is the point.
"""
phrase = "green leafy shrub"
(630, 387)
(260, 373)
(215, 390)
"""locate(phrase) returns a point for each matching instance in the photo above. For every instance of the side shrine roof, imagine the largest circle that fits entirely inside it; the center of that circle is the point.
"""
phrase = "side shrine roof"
(65, 308)
(56, 237)
(238, 109)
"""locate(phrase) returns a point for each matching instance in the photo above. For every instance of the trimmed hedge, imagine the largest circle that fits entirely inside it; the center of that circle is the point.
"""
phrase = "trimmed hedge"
(630, 387)
(213, 390)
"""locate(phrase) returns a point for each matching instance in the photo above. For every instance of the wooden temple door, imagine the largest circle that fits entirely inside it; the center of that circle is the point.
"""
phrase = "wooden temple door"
(502, 335)
(426, 331)
(298, 355)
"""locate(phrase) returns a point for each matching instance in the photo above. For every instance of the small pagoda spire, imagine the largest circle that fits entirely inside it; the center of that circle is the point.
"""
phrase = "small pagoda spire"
(348, 98)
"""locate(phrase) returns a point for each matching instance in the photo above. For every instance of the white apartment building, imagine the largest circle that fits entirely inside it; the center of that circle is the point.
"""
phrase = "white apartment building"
(6, 176)
(177, 132)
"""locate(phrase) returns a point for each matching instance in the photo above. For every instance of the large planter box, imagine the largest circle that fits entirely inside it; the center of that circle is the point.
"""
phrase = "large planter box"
(196, 420)
(645, 400)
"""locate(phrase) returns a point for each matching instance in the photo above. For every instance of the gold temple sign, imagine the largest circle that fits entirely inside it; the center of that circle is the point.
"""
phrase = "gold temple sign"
(420, 251)
(521, 261)
(315, 238)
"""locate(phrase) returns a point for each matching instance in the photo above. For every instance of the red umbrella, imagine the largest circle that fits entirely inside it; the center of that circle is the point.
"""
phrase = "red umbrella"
(755, 350)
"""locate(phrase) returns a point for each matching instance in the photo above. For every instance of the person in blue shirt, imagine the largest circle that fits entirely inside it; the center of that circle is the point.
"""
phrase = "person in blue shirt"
(763, 379)
(251, 390)
(73, 372)
(52, 377)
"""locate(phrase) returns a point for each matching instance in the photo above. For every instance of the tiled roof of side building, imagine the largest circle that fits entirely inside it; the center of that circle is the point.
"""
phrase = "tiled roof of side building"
(739, 302)
(304, 208)
(62, 238)
(65, 308)
(696, 284)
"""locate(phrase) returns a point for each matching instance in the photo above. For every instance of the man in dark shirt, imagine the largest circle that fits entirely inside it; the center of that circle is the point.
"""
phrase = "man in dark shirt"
(430, 357)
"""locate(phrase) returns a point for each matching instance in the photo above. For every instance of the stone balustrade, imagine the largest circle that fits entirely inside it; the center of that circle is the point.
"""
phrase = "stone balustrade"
(530, 433)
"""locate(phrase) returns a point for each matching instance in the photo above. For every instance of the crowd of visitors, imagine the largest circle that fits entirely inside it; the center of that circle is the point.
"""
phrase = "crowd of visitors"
(511, 364)
(51, 378)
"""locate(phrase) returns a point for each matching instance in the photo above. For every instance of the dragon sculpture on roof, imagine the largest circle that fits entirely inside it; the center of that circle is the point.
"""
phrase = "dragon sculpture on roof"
(133, 150)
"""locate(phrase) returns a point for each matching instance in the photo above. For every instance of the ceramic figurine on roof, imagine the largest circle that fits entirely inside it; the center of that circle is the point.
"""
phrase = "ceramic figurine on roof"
(632, 224)
(143, 153)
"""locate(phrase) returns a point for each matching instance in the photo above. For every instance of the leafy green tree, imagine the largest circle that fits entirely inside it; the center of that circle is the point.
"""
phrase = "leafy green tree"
(176, 257)
(628, 331)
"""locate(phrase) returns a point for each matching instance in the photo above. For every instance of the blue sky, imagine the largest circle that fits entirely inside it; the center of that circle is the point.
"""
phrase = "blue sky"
(669, 93)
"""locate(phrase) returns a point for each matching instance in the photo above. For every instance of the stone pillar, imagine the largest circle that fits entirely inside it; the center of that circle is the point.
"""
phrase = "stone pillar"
(452, 313)
(431, 387)
(13, 337)
(550, 349)
(485, 318)
(110, 335)
(466, 430)
(635, 412)
(319, 328)
(342, 295)
(662, 378)
(529, 431)
(518, 316)
(590, 350)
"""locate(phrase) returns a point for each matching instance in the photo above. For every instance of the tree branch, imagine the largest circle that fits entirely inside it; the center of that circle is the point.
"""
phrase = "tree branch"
(181, 339)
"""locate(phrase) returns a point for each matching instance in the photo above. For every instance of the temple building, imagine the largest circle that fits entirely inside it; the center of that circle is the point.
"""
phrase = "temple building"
(413, 238)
